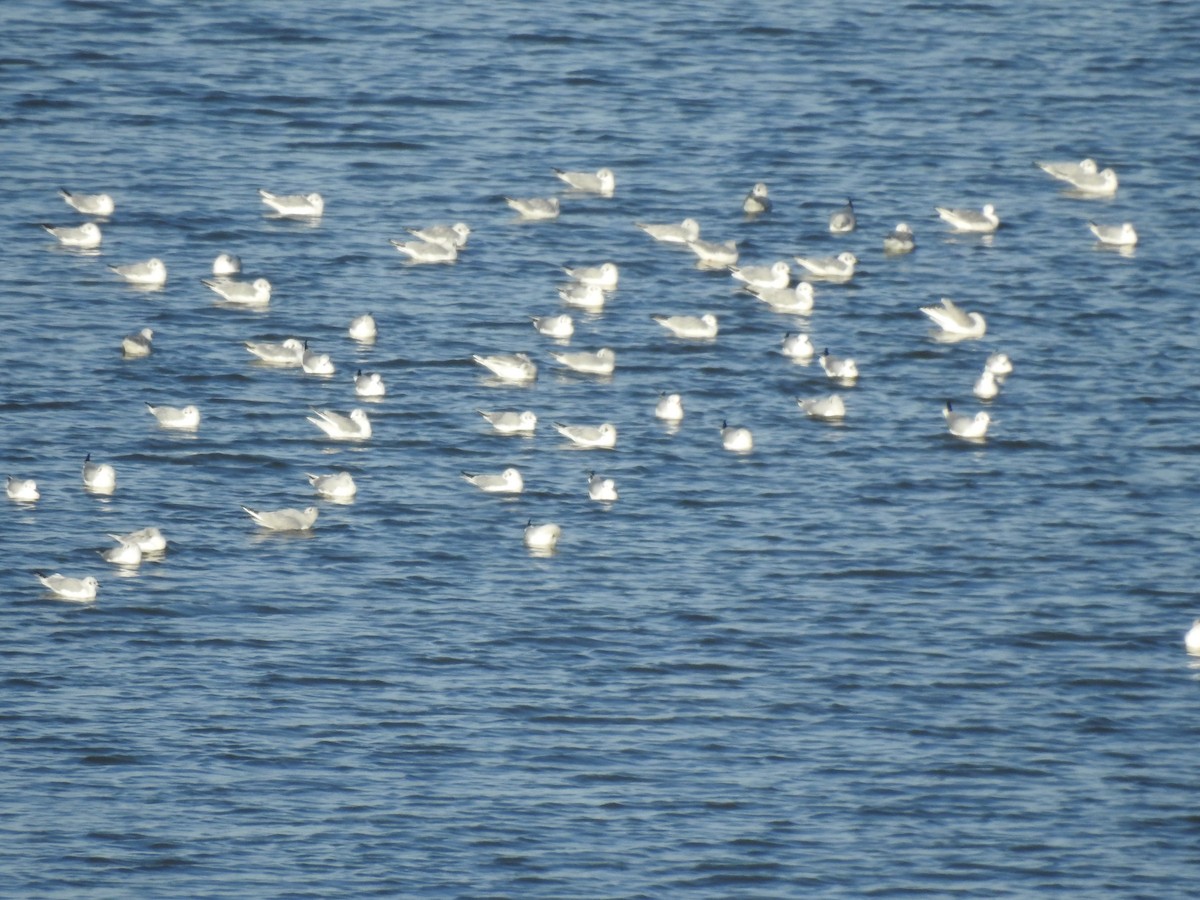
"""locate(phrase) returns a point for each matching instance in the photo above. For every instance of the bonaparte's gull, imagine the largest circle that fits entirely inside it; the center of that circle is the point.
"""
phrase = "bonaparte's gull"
(605, 276)
(601, 182)
(600, 436)
(507, 482)
(1068, 171)
(986, 386)
(776, 275)
(149, 540)
(448, 235)
(354, 427)
(841, 368)
(757, 200)
(601, 489)
(288, 519)
(176, 418)
(243, 293)
(534, 208)
(691, 328)
(419, 252)
(88, 204)
(150, 273)
(998, 363)
(126, 553)
(956, 324)
(583, 296)
(1191, 640)
(369, 384)
(83, 237)
(796, 301)
(843, 221)
(600, 362)
(736, 438)
(798, 346)
(669, 407)
(23, 490)
(686, 231)
(517, 367)
(560, 327)
(976, 220)
(1084, 176)
(99, 478)
(972, 428)
(289, 354)
(834, 268)
(1115, 235)
(314, 363)
(226, 264)
(66, 588)
(309, 206)
(134, 346)
(711, 255)
(900, 240)
(511, 421)
(335, 486)
(828, 408)
(542, 538)
(363, 328)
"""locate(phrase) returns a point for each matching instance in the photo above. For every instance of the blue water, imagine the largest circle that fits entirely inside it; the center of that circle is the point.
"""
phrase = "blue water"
(862, 660)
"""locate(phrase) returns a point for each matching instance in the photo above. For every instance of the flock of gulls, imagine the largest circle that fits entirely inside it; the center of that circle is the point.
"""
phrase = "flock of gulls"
(587, 288)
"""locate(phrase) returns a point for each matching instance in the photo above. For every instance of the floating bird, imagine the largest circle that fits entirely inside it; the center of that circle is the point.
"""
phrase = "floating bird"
(314, 363)
(736, 438)
(583, 296)
(135, 346)
(999, 364)
(289, 354)
(308, 206)
(844, 369)
(955, 324)
(1069, 171)
(369, 384)
(1115, 235)
(686, 231)
(833, 268)
(151, 273)
(986, 386)
(23, 490)
(601, 489)
(602, 437)
(507, 482)
(798, 346)
(354, 427)
(1191, 640)
(972, 428)
(510, 421)
(336, 486)
(605, 276)
(65, 588)
(226, 264)
(830, 408)
(175, 418)
(88, 204)
(515, 367)
(600, 362)
(98, 478)
(126, 553)
(542, 538)
(363, 328)
(900, 240)
(601, 182)
(82, 237)
(757, 201)
(711, 255)
(690, 328)
(243, 293)
(447, 235)
(534, 209)
(776, 275)
(982, 221)
(426, 252)
(669, 407)
(150, 540)
(287, 519)
(560, 327)
(843, 221)
(1084, 176)
(794, 301)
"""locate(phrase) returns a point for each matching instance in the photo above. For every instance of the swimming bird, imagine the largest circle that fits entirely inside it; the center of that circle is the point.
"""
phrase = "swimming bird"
(447, 235)
(830, 408)
(842, 368)
(314, 363)
(601, 489)
(711, 255)
(998, 363)
(560, 327)
(151, 273)
(690, 328)
(1191, 640)
(243, 293)
(600, 362)
(66, 588)
(534, 209)
(88, 204)
(126, 553)
(510, 421)
(986, 386)
(685, 231)
(425, 252)
(833, 268)
(308, 206)
(972, 428)
(602, 437)
(369, 384)
(542, 538)
(176, 418)
(1068, 171)
(23, 490)
(605, 276)
(226, 264)
(81, 237)
(150, 540)
(363, 328)
(843, 221)
(798, 346)
(287, 519)
(507, 482)
(583, 296)
(135, 346)
(1115, 235)
(335, 486)
(757, 201)
(669, 407)
(515, 367)
(354, 427)
(1084, 176)
(955, 323)
(982, 221)
(900, 240)
(776, 275)
(736, 438)
(601, 182)
(288, 354)
(98, 478)
(794, 301)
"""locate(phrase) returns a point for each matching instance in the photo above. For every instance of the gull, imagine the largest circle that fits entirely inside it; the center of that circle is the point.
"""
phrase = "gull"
(604, 276)
(1084, 176)
(798, 346)
(560, 327)
(289, 354)
(757, 200)
(419, 252)
(669, 407)
(507, 482)
(1191, 640)
(302, 205)
(354, 427)
(23, 490)
(83, 237)
(986, 386)
(287, 519)
(685, 232)
(972, 428)
(369, 384)
(226, 264)
(900, 240)
(314, 363)
(601, 362)
(534, 209)
(151, 273)
(516, 367)
(447, 235)
(542, 538)
(583, 296)
(602, 436)
(66, 588)
(99, 478)
(363, 328)
(601, 182)
(777, 275)
(982, 221)
(797, 300)
(149, 540)
(955, 323)
(843, 220)
(690, 328)
(601, 489)
(510, 421)
(134, 346)
(736, 438)
(175, 418)
(1068, 171)
(844, 369)
(827, 409)
(1115, 235)
(336, 486)
(244, 293)
(88, 204)
(711, 255)
(126, 553)
(999, 364)
(835, 268)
